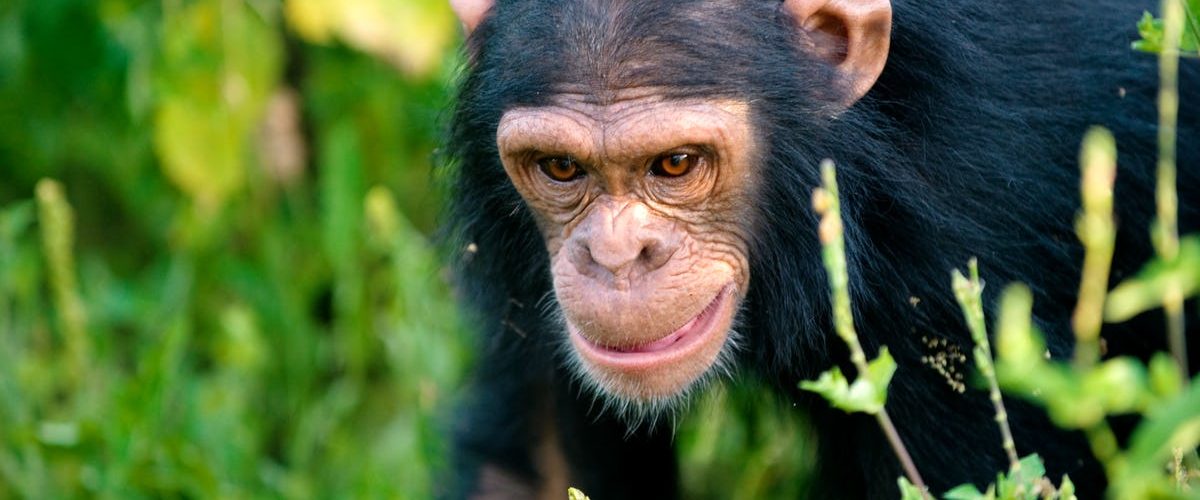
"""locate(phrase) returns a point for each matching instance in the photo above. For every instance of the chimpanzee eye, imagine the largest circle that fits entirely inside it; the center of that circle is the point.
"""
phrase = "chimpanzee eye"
(560, 168)
(673, 165)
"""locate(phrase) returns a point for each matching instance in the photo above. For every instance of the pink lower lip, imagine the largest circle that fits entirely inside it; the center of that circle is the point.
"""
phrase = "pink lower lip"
(683, 336)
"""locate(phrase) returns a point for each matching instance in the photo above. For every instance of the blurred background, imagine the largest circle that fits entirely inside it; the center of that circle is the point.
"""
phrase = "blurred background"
(216, 270)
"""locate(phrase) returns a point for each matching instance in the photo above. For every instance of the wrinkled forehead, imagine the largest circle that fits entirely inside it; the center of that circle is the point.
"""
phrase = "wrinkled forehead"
(682, 48)
(628, 127)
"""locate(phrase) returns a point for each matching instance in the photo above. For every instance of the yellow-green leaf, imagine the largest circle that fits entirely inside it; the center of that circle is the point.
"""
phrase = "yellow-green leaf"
(1147, 289)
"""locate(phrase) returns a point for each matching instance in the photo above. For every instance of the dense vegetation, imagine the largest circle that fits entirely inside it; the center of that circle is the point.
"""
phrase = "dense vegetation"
(216, 277)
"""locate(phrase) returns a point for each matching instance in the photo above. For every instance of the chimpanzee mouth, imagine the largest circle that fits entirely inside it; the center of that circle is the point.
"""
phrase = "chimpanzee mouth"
(668, 346)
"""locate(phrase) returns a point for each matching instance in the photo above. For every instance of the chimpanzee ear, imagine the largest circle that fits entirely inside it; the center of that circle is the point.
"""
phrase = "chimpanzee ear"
(854, 35)
(471, 12)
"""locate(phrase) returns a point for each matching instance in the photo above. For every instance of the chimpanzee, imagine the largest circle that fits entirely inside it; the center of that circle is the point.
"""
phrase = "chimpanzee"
(630, 219)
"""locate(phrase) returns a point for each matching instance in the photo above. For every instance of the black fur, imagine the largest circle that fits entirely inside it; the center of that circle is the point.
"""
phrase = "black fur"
(965, 147)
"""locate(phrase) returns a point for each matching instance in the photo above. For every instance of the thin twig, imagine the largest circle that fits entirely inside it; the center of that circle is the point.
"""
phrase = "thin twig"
(970, 297)
(1166, 239)
(827, 204)
(893, 437)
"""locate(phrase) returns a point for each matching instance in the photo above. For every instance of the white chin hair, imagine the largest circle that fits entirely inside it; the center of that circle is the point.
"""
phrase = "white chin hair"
(638, 411)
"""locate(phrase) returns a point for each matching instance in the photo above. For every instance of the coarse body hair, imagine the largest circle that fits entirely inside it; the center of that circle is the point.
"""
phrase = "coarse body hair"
(965, 147)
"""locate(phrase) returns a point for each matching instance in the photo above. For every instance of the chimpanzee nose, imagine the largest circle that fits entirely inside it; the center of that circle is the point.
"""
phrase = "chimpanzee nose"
(623, 241)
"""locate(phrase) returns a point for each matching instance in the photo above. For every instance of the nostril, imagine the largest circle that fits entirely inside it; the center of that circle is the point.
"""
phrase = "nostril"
(655, 254)
(580, 256)
(614, 258)
(624, 247)
(648, 259)
(602, 258)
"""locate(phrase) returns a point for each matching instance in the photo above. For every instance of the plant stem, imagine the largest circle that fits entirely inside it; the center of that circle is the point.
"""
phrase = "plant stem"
(970, 297)
(827, 204)
(1104, 447)
(1098, 232)
(906, 461)
(57, 221)
(1166, 239)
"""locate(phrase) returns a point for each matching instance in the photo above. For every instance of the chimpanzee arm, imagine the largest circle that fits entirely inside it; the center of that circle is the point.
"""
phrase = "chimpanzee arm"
(494, 432)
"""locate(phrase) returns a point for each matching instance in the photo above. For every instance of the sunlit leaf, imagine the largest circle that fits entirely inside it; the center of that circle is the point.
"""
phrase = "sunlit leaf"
(908, 491)
(1118, 384)
(968, 492)
(201, 152)
(1021, 482)
(1066, 490)
(1165, 379)
(1018, 347)
(413, 35)
(866, 394)
(1147, 289)
(1175, 424)
(213, 93)
(1191, 26)
(879, 373)
(1150, 29)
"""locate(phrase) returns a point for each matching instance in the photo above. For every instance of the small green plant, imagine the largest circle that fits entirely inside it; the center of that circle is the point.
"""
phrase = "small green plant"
(1167, 277)
(1026, 477)
(1097, 230)
(1160, 458)
(868, 392)
(1078, 395)
(1183, 32)
(1084, 394)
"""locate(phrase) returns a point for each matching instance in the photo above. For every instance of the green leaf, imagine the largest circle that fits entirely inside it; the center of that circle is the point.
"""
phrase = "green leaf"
(867, 394)
(908, 491)
(1023, 369)
(831, 385)
(1066, 491)
(1018, 347)
(413, 36)
(213, 95)
(342, 192)
(1032, 467)
(1151, 31)
(967, 492)
(1078, 400)
(1165, 379)
(1175, 425)
(1191, 27)
(200, 154)
(1021, 481)
(879, 373)
(575, 494)
(1119, 385)
(1146, 290)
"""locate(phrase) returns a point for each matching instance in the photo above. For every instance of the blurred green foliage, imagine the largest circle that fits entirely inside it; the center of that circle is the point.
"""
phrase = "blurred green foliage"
(1158, 460)
(1150, 31)
(208, 303)
(228, 288)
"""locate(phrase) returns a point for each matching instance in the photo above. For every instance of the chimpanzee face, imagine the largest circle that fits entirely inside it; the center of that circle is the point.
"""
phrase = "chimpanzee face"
(642, 182)
(644, 205)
